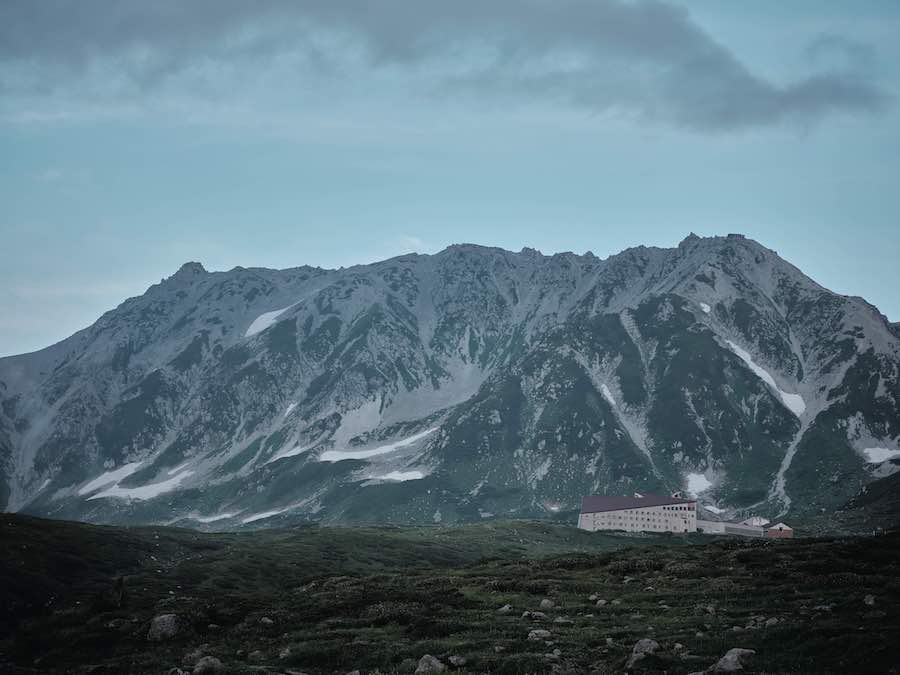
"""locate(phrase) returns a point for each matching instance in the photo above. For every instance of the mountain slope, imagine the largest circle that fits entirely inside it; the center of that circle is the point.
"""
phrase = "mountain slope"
(453, 387)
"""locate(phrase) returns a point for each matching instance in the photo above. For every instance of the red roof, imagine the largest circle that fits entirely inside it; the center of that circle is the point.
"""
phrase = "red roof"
(600, 503)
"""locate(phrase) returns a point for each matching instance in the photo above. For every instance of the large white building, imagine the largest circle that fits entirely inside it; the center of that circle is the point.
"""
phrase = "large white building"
(641, 513)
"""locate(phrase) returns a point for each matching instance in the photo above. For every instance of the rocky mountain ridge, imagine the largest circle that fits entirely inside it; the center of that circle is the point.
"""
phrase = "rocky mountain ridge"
(468, 384)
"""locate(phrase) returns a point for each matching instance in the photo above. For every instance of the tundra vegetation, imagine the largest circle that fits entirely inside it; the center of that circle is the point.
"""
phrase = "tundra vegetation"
(504, 597)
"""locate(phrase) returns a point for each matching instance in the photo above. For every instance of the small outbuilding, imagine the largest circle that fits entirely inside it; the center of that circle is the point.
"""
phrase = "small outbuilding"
(780, 531)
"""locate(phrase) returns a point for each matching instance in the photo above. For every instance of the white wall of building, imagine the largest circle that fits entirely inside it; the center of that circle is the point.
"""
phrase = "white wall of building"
(668, 518)
(721, 527)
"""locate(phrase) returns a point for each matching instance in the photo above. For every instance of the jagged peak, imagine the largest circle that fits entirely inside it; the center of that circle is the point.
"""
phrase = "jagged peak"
(688, 240)
(190, 268)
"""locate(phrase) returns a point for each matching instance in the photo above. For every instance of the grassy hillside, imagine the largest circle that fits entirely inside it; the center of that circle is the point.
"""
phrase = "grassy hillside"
(331, 600)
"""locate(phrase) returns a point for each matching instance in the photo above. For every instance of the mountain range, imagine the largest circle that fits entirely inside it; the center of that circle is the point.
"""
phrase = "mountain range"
(465, 385)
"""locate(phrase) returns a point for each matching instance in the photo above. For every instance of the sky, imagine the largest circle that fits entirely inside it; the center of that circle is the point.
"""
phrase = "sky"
(136, 136)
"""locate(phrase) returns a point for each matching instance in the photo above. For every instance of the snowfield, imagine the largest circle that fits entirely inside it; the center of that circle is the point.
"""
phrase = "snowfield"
(607, 394)
(697, 483)
(291, 452)
(400, 476)
(267, 320)
(793, 402)
(109, 477)
(264, 515)
(213, 519)
(144, 491)
(338, 455)
(878, 455)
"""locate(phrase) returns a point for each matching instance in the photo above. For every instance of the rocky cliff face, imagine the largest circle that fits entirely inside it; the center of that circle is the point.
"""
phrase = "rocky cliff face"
(470, 383)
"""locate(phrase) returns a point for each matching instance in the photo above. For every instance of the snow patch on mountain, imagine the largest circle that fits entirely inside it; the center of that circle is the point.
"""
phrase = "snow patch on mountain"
(697, 483)
(213, 519)
(338, 455)
(400, 476)
(879, 455)
(793, 402)
(178, 469)
(607, 394)
(265, 514)
(290, 452)
(289, 408)
(143, 492)
(266, 320)
(706, 308)
(109, 477)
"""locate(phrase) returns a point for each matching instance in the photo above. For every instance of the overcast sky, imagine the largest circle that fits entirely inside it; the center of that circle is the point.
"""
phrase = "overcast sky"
(135, 136)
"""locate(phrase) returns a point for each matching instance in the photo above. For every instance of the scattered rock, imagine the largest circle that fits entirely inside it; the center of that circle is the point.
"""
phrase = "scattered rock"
(535, 616)
(640, 651)
(176, 671)
(601, 602)
(457, 661)
(266, 621)
(869, 600)
(547, 603)
(737, 629)
(771, 622)
(118, 624)
(616, 602)
(506, 609)
(732, 661)
(539, 634)
(593, 597)
(430, 664)
(354, 672)
(499, 648)
(256, 655)
(208, 664)
(163, 627)
(678, 647)
(610, 642)
(193, 656)
(284, 653)
(563, 621)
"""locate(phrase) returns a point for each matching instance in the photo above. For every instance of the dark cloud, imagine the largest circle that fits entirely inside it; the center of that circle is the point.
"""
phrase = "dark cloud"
(646, 58)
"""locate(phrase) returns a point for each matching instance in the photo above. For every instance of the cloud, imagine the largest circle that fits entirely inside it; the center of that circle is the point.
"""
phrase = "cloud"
(646, 58)
(840, 52)
(411, 243)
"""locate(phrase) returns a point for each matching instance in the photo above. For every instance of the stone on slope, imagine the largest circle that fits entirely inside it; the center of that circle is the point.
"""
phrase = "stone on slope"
(163, 627)
(733, 660)
(208, 664)
(430, 664)
(642, 648)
